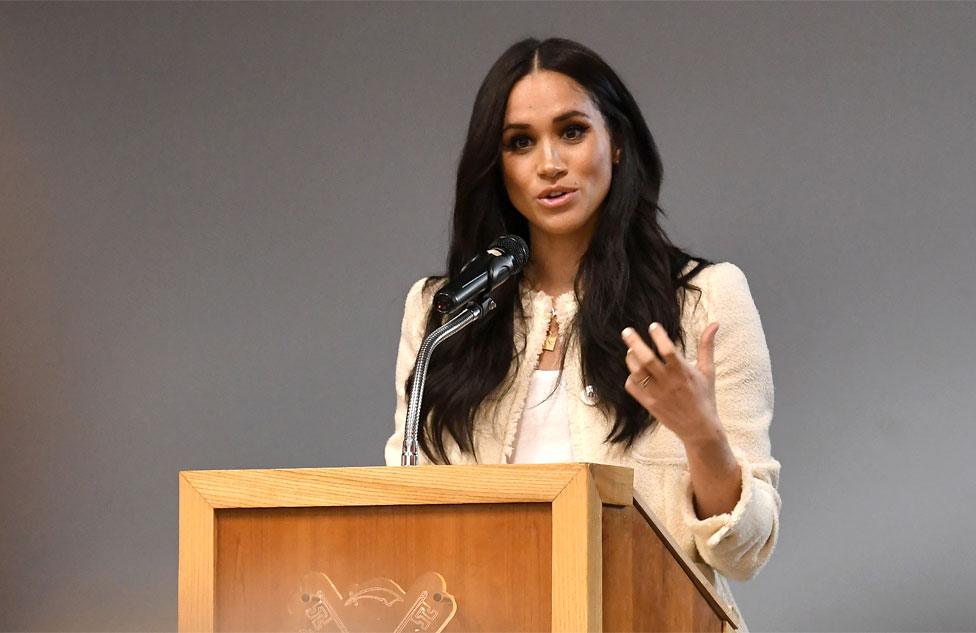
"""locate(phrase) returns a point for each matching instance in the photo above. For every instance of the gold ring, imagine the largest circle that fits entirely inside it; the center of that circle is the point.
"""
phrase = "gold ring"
(644, 382)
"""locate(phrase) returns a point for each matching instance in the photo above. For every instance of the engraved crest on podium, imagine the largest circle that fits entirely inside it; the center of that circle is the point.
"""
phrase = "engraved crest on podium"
(379, 604)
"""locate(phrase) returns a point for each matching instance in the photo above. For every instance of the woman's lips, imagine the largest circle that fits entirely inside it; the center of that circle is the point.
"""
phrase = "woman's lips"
(560, 201)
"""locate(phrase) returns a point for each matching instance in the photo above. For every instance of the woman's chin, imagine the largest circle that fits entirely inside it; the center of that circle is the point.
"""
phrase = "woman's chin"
(562, 227)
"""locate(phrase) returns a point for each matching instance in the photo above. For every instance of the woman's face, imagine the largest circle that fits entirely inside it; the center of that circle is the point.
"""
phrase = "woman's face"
(555, 140)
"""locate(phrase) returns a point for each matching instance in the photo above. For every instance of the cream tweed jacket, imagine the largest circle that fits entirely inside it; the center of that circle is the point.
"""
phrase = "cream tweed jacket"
(734, 545)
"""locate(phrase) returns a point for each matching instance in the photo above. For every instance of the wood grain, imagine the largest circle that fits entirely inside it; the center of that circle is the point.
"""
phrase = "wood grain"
(615, 484)
(420, 485)
(196, 561)
(645, 588)
(618, 570)
(691, 569)
(562, 547)
(495, 560)
(577, 565)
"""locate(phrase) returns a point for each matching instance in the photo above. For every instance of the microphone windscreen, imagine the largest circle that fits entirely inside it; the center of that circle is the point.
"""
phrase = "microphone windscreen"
(514, 246)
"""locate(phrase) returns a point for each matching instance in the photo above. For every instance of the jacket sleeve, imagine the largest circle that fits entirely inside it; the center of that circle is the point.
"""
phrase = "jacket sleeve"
(411, 335)
(738, 543)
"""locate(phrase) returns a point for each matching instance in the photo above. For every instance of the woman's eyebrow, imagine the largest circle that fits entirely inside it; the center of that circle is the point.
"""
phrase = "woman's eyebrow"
(558, 119)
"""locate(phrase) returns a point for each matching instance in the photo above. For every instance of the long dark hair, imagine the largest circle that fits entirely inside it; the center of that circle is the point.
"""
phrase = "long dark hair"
(630, 273)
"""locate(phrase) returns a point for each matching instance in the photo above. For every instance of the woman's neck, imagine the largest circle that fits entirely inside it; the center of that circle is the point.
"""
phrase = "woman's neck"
(554, 262)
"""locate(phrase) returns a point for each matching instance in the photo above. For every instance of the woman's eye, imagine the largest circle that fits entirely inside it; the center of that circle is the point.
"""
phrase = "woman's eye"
(518, 142)
(575, 132)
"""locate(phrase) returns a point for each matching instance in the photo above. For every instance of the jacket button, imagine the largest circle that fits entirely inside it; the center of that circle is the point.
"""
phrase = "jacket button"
(589, 395)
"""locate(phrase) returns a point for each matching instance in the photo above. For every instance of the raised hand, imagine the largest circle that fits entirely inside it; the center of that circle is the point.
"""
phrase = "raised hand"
(678, 394)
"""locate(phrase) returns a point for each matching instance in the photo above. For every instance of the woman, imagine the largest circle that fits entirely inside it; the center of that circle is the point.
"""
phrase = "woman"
(558, 152)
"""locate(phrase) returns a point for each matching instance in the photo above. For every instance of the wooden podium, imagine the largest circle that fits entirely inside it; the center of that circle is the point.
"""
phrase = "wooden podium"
(555, 547)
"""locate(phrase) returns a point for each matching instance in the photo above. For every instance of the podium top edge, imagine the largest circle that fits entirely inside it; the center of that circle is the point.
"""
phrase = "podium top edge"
(398, 485)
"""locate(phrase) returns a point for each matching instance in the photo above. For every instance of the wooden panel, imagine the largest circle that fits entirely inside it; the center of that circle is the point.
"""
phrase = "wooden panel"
(420, 485)
(614, 483)
(196, 561)
(644, 587)
(618, 570)
(695, 574)
(496, 560)
(577, 558)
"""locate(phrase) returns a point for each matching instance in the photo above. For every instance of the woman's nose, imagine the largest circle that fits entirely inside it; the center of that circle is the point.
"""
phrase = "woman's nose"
(551, 166)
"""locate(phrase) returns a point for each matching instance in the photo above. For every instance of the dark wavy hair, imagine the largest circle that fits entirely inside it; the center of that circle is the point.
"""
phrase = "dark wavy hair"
(629, 275)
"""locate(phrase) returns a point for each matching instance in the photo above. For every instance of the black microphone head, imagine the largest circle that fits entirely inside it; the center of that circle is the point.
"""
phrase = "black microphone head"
(506, 256)
(514, 246)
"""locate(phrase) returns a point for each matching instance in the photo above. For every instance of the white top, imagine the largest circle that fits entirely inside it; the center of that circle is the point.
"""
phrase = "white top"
(543, 432)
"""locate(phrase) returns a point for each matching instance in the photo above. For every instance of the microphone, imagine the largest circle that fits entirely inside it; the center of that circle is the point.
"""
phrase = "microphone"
(505, 257)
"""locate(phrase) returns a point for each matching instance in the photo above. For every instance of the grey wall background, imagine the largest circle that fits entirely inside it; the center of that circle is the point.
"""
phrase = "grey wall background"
(210, 214)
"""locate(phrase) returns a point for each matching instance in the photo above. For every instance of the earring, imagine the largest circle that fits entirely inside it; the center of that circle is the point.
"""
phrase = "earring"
(616, 158)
